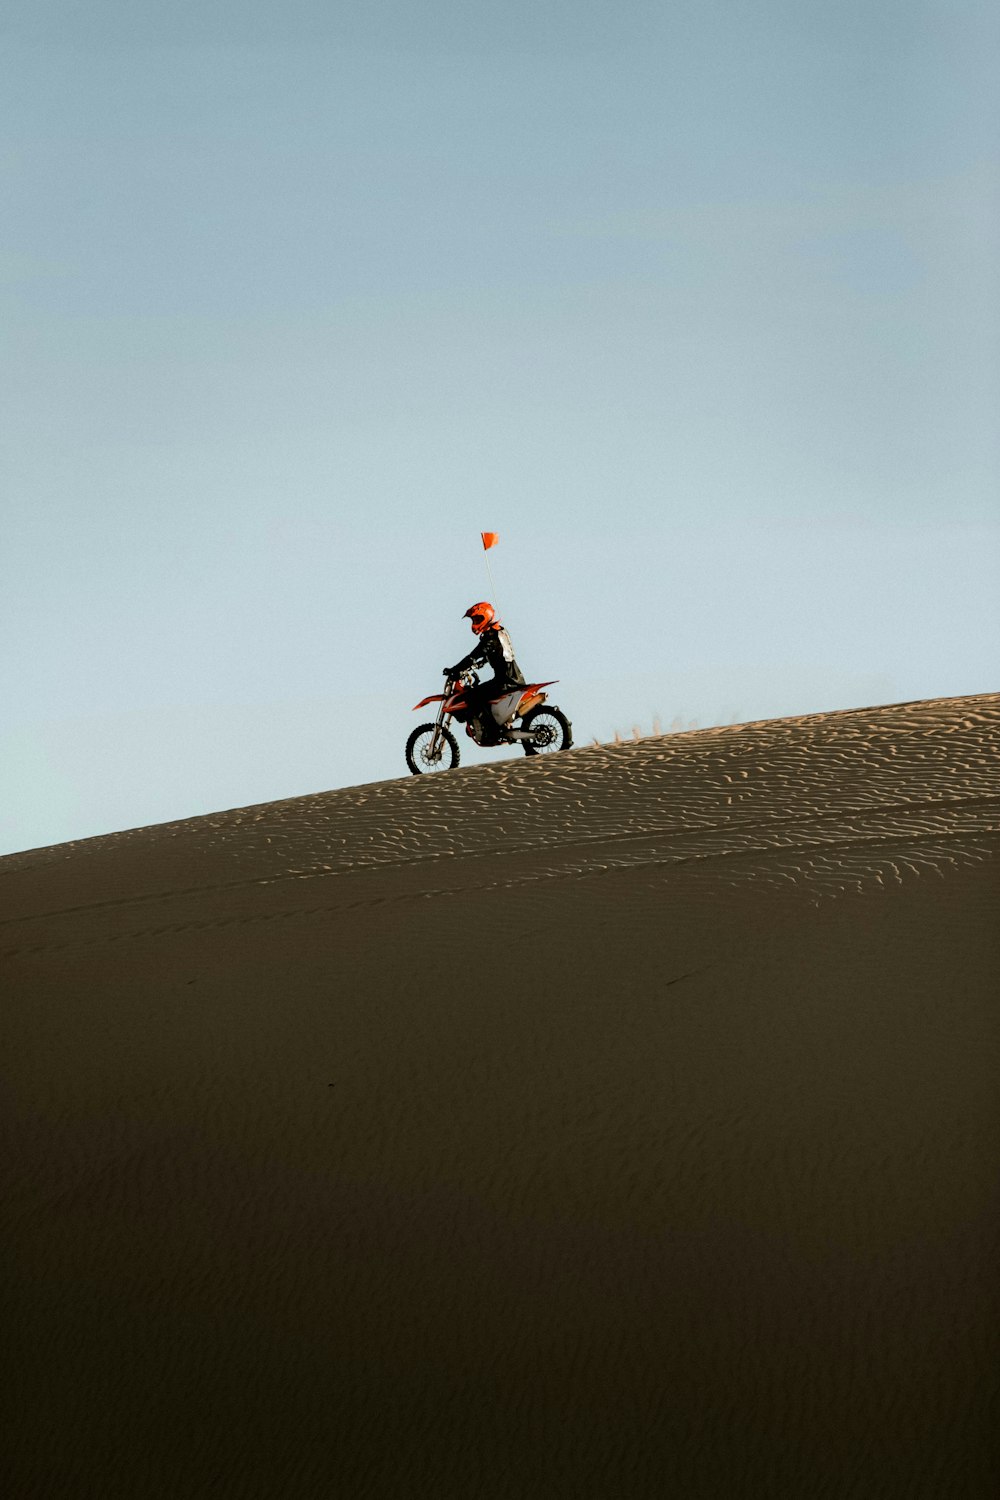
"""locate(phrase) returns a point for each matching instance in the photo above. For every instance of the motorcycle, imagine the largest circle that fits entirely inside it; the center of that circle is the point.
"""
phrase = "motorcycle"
(543, 727)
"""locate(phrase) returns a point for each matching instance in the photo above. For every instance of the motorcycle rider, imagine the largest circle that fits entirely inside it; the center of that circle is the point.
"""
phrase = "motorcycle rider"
(493, 649)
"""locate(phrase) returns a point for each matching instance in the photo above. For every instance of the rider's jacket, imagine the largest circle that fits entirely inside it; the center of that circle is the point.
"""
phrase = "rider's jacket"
(493, 650)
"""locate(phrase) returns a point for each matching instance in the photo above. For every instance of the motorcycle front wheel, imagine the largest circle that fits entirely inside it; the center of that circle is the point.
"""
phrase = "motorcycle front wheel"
(549, 729)
(420, 745)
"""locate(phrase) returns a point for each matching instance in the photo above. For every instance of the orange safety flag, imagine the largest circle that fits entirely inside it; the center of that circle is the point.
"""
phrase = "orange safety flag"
(490, 539)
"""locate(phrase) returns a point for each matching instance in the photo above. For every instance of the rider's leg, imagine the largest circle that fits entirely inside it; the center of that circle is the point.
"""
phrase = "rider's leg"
(480, 700)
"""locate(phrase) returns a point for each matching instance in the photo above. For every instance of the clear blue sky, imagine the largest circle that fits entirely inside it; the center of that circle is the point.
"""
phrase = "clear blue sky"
(695, 303)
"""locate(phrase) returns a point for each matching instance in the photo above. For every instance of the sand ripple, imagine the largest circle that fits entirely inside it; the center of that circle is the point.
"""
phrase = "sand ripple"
(821, 804)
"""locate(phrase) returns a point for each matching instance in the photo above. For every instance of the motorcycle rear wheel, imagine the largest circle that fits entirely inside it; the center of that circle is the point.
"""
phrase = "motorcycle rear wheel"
(418, 748)
(550, 730)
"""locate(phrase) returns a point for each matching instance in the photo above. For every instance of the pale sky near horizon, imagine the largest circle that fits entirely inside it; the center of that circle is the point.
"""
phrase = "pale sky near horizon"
(696, 304)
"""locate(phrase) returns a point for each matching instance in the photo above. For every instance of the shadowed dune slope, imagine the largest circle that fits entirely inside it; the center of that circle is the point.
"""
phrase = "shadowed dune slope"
(620, 1123)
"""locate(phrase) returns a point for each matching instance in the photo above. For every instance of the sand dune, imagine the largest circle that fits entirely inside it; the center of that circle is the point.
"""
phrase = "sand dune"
(688, 1188)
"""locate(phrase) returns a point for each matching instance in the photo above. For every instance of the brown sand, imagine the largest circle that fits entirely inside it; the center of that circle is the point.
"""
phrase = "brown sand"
(698, 1199)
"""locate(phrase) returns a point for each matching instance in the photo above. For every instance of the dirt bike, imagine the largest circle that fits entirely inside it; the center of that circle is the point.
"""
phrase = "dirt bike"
(543, 727)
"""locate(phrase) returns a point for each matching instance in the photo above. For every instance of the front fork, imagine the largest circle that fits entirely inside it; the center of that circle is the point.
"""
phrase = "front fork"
(439, 725)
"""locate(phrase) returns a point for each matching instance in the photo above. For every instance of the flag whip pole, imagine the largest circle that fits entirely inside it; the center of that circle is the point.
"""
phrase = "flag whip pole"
(490, 539)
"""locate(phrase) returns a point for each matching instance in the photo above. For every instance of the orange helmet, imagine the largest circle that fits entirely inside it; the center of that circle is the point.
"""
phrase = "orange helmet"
(481, 615)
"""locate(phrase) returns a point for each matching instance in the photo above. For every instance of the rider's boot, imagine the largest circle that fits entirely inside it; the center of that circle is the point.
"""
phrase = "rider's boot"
(490, 727)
